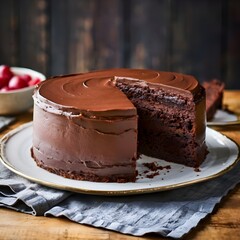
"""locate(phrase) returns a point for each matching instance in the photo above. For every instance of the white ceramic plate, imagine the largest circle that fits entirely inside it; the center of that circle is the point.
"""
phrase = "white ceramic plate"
(223, 118)
(224, 153)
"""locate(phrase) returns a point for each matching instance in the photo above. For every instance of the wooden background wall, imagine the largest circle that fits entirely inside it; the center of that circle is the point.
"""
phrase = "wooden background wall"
(55, 37)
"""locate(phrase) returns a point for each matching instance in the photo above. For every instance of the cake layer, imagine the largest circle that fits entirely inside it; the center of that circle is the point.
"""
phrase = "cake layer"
(170, 128)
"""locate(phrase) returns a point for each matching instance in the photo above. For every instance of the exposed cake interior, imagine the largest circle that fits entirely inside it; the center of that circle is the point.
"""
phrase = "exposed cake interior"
(170, 124)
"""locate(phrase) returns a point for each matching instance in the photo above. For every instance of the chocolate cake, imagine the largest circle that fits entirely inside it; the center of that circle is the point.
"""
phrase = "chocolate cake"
(93, 126)
(214, 96)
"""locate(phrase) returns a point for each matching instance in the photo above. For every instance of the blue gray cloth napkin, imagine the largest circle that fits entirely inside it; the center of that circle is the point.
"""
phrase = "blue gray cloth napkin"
(171, 213)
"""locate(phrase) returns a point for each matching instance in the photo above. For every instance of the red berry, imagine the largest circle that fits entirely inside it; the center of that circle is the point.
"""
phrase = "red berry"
(6, 72)
(26, 77)
(34, 81)
(16, 83)
(3, 81)
(5, 89)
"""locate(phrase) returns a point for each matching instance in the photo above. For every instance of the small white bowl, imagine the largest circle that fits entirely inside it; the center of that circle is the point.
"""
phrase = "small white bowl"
(20, 100)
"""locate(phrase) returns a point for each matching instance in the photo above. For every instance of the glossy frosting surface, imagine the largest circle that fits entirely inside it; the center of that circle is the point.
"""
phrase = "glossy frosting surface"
(95, 91)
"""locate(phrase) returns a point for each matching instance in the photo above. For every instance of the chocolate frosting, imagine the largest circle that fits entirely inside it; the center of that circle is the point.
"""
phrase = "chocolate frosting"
(94, 93)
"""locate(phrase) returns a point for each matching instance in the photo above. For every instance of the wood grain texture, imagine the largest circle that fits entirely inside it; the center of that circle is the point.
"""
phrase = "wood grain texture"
(80, 44)
(232, 52)
(223, 223)
(61, 37)
(108, 34)
(149, 34)
(71, 41)
(8, 33)
(196, 38)
(92, 35)
(33, 36)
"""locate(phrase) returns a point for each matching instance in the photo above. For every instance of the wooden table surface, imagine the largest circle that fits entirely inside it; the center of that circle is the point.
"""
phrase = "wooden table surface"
(224, 223)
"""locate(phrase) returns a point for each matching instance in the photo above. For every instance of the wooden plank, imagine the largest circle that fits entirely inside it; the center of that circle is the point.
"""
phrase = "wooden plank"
(85, 35)
(33, 34)
(196, 38)
(149, 34)
(94, 39)
(108, 34)
(80, 42)
(59, 37)
(233, 44)
(8, 25)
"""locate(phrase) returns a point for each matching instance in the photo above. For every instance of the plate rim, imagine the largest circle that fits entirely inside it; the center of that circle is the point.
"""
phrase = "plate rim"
(212, 123)
(12, 168)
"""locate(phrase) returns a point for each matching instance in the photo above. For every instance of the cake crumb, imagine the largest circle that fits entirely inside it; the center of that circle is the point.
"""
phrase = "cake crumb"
(197, 170)
(155, 169)
(152, 175)
(152, 166)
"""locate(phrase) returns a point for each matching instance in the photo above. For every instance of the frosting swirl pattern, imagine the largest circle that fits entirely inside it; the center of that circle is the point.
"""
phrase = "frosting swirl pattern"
(95, 92)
